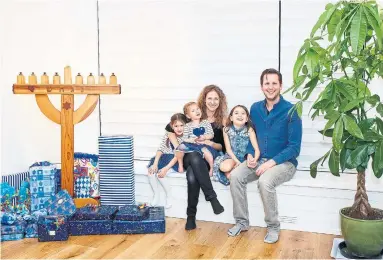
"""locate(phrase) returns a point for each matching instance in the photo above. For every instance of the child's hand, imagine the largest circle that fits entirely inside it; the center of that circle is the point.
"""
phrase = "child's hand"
(201, 138)
(162, 173)
(153, 169)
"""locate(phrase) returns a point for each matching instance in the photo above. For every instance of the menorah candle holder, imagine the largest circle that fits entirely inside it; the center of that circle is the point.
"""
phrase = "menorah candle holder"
(66, 116)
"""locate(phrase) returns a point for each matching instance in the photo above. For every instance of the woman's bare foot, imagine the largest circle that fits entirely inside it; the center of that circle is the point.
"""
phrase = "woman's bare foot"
(211, 172)
(181, 169)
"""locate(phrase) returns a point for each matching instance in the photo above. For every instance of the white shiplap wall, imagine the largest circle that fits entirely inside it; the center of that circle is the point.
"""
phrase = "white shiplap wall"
(165, 52)
(40, 36)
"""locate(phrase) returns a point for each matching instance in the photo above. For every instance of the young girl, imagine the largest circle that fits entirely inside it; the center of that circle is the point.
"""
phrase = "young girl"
(195, 133)
(237, 134)
(164, 160)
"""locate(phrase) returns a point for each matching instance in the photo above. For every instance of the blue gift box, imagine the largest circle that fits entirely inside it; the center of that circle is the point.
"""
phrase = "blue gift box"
(11, 237)
(52, 228)
(61, 204)
(155, 223)
(90, 227)
(132, 213)
(18, 227)
(95, 213)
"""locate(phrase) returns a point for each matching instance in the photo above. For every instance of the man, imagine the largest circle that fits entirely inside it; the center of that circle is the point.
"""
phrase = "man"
(279, 136)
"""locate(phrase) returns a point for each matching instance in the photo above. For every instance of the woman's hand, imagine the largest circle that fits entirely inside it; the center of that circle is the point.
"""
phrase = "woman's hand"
(162, 173)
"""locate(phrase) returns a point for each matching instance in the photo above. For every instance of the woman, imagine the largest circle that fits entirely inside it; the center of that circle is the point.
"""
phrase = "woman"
(213, 103)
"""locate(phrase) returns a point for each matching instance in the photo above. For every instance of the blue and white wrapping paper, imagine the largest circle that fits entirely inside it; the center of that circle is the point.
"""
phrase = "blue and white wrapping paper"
(132, 213)
(52, 228)
(103, 212)
(116, 164)
(61, 204)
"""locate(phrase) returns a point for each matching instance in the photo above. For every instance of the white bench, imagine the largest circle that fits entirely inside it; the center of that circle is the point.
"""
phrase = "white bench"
(305, 204)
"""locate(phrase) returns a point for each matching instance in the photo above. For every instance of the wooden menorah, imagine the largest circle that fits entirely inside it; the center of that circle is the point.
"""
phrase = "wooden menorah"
(66, 116)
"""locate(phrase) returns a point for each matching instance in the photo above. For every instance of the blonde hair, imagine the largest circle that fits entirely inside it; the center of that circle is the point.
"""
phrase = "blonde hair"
(220, 113)
(187, 106)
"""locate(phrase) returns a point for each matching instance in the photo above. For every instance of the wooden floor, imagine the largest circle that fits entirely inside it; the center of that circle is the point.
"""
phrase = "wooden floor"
(209, 240)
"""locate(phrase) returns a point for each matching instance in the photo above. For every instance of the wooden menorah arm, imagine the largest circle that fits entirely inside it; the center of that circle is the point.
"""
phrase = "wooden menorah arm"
(67, 89)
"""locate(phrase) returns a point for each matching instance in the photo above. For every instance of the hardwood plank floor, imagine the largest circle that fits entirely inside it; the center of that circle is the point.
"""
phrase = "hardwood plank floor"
(208, 241)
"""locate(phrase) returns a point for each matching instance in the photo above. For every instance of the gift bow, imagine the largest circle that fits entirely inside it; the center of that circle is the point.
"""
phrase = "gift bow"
(199, 131)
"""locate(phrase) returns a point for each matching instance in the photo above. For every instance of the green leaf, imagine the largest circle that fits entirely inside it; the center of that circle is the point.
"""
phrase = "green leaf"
(344, 91)
(370, 135)
(374, 22)
(321, 104)
(332, 119)
(299, 108)
(379, 124)
(378, 173)
(372, 100)
(371, 149)
(311, 60)
(345, 23)
(358, 31)
(379, 109)
(314, 165)
(319, 23)
(297, 66)
(379, 155)
(333, 23)
(352, 127)
(337, 136)
(351, 105)
(311, 86)
(344, 154)
(357, 157)
(304, 70)
(351, 144)
(328, 132)
(333, 163)
(366, 124)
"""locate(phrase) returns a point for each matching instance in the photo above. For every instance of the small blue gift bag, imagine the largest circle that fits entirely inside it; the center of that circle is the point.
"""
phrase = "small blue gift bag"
(61, 204)
(52, 228)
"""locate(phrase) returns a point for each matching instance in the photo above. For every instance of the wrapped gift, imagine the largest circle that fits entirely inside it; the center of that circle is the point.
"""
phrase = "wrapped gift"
(18, 227)
(103, 212)
(86, 175)
(7, 218)
(12, 237)
(31, 230)
(61, 204)
(52, 228)
(90, 227)
(155, 223)
(132, 213)
(116, 160)
(8, 194)
(42, 183)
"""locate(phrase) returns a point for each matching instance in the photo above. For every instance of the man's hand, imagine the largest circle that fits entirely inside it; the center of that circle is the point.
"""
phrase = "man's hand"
(264, 167)
(251, 162)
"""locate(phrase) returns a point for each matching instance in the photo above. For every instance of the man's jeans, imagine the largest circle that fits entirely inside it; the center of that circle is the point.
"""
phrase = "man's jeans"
(267, 183)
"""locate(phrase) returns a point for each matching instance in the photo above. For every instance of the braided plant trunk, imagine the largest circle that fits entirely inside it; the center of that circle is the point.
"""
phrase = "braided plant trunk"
(361, 208)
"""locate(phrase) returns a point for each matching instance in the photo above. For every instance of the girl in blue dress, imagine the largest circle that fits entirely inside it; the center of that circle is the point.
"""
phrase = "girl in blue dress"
(165, 160)
(237, 135)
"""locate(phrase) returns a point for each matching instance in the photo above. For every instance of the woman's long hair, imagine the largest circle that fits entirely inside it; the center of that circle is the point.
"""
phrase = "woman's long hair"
(248, 124)
(220, 113)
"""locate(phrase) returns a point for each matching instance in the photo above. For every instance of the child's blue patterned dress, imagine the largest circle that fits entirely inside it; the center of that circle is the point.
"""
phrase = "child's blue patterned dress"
(239, 140)
(167, 150)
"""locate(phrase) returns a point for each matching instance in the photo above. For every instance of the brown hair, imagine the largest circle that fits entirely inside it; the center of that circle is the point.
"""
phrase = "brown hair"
(221, 111)
(248, 124)
(271, 71)
(187, 105)
(177, 117)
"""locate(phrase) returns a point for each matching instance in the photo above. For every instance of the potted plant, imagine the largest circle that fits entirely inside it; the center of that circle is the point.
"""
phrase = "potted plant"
(343, 54)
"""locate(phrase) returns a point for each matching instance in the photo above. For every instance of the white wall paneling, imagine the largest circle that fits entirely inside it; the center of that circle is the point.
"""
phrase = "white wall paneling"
(44, 36)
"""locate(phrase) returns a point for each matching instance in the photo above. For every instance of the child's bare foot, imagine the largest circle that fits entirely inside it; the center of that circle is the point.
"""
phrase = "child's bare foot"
(228, 174)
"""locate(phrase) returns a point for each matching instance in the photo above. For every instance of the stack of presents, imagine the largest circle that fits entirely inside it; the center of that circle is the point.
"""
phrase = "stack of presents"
(37, 207)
